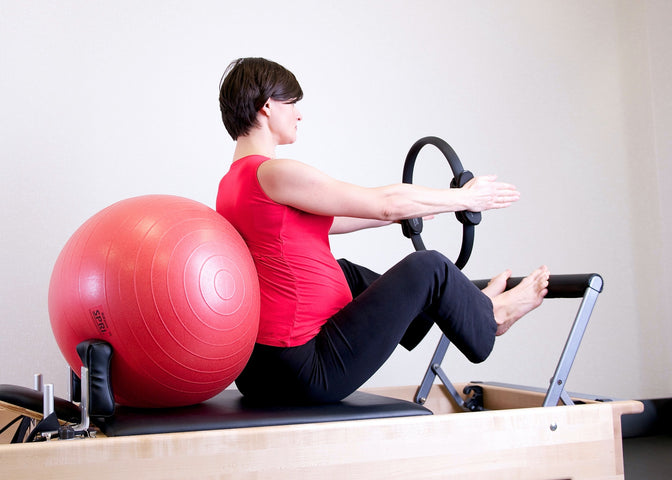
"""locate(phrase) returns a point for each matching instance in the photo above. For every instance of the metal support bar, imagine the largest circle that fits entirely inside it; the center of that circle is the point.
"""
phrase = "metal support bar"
(435, 370)
(430, 374)
(48, 400)
(566, 399)
(450, 387)
(557, 386)
(38, 382)
(84, 403)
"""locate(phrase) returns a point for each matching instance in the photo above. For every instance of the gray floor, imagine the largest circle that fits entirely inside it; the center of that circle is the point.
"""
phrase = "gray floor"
(648, 458)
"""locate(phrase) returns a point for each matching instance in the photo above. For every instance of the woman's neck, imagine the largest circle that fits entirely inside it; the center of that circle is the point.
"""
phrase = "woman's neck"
(255, 143)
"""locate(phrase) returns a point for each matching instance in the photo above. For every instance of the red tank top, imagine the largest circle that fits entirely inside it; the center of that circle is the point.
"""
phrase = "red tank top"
(301, 283)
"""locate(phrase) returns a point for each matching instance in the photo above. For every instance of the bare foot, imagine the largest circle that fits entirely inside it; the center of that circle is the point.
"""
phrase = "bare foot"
(511, 305)
(497, 285)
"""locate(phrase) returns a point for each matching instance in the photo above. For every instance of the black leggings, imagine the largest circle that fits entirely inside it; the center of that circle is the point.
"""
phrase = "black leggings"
(357, 340)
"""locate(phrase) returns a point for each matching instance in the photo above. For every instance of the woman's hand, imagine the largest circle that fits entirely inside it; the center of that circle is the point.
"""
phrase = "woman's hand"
(485, 193)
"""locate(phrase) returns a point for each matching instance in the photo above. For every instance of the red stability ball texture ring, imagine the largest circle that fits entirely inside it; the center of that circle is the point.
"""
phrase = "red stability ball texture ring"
(171, 285)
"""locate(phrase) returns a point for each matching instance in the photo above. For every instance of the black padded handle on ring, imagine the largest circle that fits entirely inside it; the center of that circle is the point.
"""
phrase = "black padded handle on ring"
(412, 228)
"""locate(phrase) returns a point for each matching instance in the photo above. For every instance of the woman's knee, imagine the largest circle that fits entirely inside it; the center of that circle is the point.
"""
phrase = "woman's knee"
(480, 351)
(430, 264)
(428, 259)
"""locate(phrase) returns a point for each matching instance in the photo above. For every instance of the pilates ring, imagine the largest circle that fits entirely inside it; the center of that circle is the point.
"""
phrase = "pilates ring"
(412, 228)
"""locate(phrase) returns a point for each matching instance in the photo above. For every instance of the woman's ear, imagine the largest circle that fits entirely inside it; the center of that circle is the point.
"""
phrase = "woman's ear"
(266, 108)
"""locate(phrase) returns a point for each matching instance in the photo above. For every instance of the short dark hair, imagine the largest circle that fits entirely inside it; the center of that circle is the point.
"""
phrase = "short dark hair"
(246, 85)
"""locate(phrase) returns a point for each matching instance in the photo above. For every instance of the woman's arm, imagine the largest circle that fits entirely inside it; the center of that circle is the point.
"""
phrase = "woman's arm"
(303, 187)
(351, 224)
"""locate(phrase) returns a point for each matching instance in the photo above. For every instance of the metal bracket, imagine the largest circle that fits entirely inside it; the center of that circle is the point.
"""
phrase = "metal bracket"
(64, 432)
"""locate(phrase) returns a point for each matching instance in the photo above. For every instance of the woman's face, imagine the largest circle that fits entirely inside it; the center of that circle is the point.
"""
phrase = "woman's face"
(284, 121)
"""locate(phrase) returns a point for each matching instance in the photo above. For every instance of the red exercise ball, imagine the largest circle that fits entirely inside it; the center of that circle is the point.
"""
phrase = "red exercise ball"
(171, 285)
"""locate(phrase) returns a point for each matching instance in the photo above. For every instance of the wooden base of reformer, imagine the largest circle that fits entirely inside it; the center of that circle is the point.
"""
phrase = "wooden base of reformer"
(514, 439)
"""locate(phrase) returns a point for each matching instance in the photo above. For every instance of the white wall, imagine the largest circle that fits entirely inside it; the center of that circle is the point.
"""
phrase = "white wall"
(569, 100)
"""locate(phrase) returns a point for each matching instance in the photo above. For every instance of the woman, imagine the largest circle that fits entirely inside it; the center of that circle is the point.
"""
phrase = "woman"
(326, 326)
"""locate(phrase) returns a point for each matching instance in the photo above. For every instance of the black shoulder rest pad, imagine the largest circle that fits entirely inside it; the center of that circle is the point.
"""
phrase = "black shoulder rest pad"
(96, 356)
(32, 401)
(560, 286)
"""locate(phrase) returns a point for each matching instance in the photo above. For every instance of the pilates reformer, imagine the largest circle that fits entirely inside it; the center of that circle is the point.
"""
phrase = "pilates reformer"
(372, 434)
(381, 433)
(396, 432)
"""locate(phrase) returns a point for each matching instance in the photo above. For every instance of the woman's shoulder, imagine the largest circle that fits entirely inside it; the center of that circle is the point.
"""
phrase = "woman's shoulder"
(288, 166)
(249, 160)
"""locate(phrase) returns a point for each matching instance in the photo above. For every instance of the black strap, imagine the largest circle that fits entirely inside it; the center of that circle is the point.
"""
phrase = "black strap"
(21, 431)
